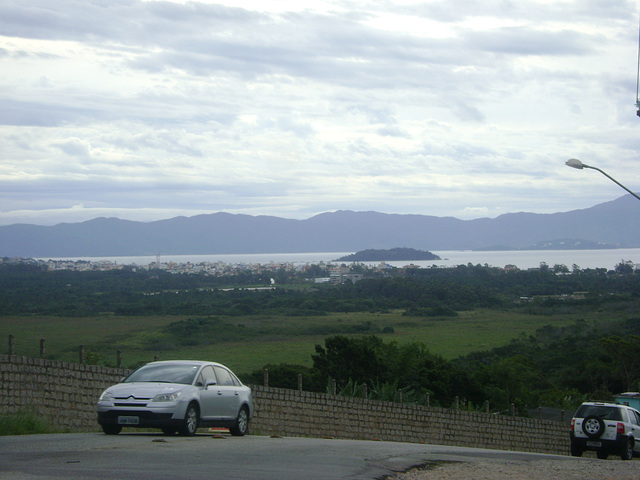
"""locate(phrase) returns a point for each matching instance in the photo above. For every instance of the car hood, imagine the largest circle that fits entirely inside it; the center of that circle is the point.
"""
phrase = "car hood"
(144, 389)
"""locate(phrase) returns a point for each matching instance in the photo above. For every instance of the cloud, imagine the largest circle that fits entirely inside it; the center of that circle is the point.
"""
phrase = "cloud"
(148, 109)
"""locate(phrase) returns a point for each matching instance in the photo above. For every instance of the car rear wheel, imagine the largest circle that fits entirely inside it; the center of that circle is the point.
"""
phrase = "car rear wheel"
(112, 429)
(627, 450)
(190, 423)
(593, 426)
(576, 451)
(241, 426)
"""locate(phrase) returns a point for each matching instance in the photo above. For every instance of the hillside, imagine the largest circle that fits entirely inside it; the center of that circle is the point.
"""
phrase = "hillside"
(615, 224)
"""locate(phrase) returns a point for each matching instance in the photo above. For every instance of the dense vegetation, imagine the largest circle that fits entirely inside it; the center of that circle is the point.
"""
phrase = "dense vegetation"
(557, 365)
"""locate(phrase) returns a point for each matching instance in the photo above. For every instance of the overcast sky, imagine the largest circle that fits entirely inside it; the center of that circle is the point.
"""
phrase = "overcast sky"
(147, 110)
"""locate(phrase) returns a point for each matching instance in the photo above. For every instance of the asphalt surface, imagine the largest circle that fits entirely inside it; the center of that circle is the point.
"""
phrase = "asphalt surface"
(146, 456)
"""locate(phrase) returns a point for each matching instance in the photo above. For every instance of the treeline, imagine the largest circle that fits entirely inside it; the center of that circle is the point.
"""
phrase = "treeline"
(29, 290)
(557, 367)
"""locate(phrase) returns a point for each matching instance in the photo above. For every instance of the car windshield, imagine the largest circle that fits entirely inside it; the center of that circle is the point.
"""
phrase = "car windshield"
(165, 373)
(602, 411)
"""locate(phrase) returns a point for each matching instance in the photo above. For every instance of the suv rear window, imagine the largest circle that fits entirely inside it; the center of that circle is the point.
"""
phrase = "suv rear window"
(601, 411)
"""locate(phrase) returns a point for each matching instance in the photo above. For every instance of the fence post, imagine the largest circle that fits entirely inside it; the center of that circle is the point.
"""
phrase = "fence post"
(365, 391)
(266, 377)
(457, 403)
(11, 337)
(487, 406)
(513, 410)
(42, 348)
(333, 386)
(539, 413)
(427, 400)
(400, 395)
(562, 415)
(300, 382)
(81, 355)
(156, 358)
(118, 358)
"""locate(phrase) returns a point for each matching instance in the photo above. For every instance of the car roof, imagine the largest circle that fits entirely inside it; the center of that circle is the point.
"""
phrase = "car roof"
(185, 362)
(610, 404)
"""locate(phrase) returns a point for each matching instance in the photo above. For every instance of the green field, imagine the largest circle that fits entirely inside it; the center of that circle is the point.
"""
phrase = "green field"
(260, 340)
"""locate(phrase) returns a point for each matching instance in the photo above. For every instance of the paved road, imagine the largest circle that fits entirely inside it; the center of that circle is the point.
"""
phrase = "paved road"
(149, 456)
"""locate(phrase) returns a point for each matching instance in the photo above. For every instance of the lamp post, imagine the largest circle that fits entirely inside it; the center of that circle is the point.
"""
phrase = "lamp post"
(575, 163)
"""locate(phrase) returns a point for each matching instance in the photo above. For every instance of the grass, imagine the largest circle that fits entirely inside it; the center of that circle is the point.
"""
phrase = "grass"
(260, 340)
(24, 422)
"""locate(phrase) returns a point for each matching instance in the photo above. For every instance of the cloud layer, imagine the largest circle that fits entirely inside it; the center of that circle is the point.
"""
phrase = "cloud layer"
(152, 109)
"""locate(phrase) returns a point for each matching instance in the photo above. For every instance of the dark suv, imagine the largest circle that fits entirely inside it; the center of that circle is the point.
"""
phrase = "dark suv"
(606, 428)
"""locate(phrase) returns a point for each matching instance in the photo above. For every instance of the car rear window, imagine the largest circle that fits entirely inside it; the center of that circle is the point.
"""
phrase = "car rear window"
(601, 411)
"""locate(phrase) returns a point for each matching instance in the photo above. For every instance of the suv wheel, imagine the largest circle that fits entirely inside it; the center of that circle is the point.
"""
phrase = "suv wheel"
(576, 451)
(627, 450)
(593, 426)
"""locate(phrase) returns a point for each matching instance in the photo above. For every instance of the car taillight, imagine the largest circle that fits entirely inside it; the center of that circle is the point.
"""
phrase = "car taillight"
(573, 424)
(620, 429)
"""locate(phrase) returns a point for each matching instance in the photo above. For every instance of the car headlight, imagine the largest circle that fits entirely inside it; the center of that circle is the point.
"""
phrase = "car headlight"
(167, 397)
(106, 396)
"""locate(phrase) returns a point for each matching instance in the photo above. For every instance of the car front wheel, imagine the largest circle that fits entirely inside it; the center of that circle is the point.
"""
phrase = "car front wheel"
(112, 429)
(190, 423)
(241, 427)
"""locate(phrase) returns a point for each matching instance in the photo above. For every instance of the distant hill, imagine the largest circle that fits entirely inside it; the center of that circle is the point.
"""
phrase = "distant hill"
(615, 223)
(393, 254)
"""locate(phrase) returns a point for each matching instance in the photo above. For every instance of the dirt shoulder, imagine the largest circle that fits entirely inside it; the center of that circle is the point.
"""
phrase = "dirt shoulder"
(552, 469)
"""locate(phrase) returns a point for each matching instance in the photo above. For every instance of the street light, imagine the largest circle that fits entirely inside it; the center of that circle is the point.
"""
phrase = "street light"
(575, 163)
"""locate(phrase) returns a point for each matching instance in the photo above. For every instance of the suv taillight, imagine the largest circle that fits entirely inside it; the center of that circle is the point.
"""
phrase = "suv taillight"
(620, 430)
(573, 424)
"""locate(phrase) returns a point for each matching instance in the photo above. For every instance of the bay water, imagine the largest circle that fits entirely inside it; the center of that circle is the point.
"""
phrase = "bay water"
(523, 259)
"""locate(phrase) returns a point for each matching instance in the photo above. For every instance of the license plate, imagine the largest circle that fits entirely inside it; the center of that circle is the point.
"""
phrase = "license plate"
(593, 443)
(128, 420)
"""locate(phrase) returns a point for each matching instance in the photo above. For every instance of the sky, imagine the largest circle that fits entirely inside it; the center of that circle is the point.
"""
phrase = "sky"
(147, 110)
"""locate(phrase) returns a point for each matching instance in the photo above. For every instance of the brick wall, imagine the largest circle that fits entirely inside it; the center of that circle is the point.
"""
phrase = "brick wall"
(66, 393)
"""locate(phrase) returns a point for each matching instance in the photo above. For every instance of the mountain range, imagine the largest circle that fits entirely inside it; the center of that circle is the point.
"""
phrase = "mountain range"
(614, 224)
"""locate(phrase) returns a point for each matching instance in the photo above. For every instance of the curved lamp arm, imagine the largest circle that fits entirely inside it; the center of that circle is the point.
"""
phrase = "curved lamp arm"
(575, 163)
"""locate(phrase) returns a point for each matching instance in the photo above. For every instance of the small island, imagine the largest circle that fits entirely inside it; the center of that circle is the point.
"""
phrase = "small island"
(393, 254)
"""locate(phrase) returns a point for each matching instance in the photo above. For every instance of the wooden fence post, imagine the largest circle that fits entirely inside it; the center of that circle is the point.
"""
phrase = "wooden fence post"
(11, 337)
(81, 355)
(299, 382)
(42, 348)
(118, 358)
(266, 377)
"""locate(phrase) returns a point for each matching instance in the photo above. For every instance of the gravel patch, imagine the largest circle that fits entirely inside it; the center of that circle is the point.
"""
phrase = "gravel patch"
(557, 469)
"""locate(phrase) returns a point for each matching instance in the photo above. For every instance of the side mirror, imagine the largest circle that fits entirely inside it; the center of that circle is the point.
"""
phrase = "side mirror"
(209, 382)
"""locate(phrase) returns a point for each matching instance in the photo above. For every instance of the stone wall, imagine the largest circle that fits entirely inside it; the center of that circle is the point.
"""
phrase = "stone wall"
(297, 413)
(66, 393)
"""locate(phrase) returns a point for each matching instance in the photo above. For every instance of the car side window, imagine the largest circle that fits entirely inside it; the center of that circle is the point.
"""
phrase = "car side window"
(623, 415)
(206, 374)
(224, 377)
(636, 418)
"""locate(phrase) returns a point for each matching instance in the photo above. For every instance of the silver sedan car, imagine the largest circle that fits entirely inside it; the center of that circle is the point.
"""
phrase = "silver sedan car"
(177, 396)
